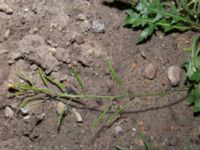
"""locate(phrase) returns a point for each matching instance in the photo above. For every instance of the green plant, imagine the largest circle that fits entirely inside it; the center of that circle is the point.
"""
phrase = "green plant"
(193, 75)
(78, 79)
(145, 141)
(35, 93)
(151, 15)
(181, 15)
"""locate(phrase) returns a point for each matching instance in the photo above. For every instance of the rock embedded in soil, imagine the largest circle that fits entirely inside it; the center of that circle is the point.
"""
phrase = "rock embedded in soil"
(98, 26)
(60, 107)
(8, 112)
(174, 75)
(40, 118)
(118, 129)
(81, 17)
(85, 26)
(34, 67)
(150, 71)
(6, 9)
(59, 76)
(24, 111)
(77, 37)
(7, 34)
(79, 118)
(27, 118)
(62, 54)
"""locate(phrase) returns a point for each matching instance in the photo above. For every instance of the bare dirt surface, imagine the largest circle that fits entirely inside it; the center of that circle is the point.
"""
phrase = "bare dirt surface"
(53, 35)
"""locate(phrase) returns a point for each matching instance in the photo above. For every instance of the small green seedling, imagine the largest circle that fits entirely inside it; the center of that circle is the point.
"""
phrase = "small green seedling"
(114, 74)
(145, 141)
(78, 78)
(60, 118)
(46, 79)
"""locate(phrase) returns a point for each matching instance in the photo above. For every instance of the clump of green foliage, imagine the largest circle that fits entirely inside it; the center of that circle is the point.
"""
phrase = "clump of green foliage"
(181, 15)
(193, 75)
(151, 15)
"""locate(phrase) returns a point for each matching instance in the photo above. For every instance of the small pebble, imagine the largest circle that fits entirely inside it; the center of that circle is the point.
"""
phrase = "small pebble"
(98, 26)
(51, 43)
(143, 54)
(41, 117)
(138, 141)
(26, 9)
(26, 118)
(6, 9)
(118, 129)
(77, 37)
(34, 67)
(85, 26)
(81, 17)
(34, 30)
(8, 112)
(174, 74)
(150, 71)
(78, 115)
(24, 111)
(60, 107)
(134, 131)
(7, 34)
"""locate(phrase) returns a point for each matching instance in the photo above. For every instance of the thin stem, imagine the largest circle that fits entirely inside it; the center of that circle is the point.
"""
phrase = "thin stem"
(50, 93)
(65, 95)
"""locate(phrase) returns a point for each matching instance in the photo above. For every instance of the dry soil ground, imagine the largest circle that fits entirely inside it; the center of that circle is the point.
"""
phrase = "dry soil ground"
(53, 34)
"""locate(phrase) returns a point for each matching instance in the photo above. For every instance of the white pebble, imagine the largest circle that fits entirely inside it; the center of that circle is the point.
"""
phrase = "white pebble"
(60, 108)
(8, 112)
(174, 73)
(24, 111)
(118, 129)
(98, 26)
(78, 115)
(150, 71)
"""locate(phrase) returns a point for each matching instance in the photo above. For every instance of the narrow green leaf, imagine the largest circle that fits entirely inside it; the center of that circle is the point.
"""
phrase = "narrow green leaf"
(190, 98)
(29, 103)
(46, 79)
(121, 147)
(196, 76)
(101, 117)
(145, 141)
(58, 84)
(117, 112)
(197, 105)
(145, 33)
(78, 78)
(24, 77)
(114, 74)
(42, 76)
(194, 62)
(60, 118)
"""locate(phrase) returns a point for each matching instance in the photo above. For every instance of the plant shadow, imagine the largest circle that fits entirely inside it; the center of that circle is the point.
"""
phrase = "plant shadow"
(117, 4)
